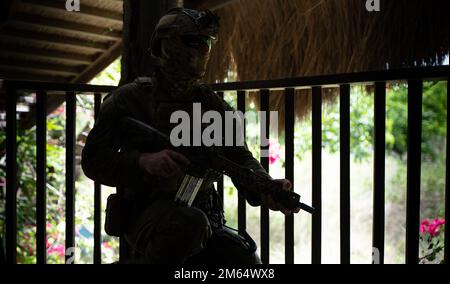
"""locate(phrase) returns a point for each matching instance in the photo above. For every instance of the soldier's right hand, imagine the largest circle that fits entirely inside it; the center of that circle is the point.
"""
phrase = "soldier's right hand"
(166, 163)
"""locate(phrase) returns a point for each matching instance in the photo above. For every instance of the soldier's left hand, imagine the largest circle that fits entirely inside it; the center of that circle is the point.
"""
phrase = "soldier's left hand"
(275, 206)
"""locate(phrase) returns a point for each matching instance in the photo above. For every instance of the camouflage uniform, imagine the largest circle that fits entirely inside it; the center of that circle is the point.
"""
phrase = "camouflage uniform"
(157, 229)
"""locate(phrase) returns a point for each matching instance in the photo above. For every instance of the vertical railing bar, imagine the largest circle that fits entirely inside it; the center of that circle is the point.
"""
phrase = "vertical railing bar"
(289, 170)
(344, 106)
(11, 177)
(265, 230)
(379, 173)
(97, 199)
(242, 214)
(2, 252)
(41, 177)
(220, 189)
(316, 242)
(415, 88)
(70, 175)
(447, 191)
(123, 250)
(220, 181)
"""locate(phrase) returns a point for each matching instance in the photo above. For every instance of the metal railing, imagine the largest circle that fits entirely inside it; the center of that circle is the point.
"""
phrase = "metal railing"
(11, 88)
(415, 78)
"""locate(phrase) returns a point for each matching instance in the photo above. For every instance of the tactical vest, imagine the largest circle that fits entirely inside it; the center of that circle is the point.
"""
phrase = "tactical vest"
(160, 107)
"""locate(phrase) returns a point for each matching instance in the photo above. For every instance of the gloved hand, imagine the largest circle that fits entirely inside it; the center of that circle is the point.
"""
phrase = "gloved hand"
(166, 163)
(268, 201)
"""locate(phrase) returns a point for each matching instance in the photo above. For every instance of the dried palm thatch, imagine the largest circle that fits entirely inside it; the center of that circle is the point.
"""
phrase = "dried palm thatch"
(272, 39)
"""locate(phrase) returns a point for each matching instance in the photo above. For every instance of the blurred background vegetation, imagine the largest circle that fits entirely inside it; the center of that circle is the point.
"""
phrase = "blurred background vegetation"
(362, 126)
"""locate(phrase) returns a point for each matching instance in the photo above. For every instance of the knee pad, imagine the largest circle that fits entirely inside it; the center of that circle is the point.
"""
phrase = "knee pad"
(186, 222)
(183, 232)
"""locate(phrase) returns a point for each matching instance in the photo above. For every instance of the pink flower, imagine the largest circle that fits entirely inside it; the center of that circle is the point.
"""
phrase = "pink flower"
(432, 228)
(424, 226)
(435, 226)
(58, 249)
(106, 245)
(274, 151)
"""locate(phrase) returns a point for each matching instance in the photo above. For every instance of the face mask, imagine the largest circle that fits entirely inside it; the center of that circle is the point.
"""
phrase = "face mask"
(187, 56)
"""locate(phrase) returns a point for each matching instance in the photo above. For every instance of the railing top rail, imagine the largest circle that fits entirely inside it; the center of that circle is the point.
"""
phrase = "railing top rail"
(50, 86)
(434, 72)
(425, 73)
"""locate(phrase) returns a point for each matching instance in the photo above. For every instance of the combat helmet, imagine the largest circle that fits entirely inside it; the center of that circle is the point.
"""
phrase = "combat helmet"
(183, 38)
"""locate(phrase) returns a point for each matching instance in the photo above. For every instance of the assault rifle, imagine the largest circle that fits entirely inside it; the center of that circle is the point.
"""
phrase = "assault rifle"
(205, 161)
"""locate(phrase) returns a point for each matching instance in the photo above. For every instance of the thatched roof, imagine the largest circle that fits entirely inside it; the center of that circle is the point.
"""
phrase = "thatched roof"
(277, 39)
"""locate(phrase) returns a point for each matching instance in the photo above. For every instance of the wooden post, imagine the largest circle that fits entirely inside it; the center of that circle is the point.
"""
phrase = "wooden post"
(139, 20)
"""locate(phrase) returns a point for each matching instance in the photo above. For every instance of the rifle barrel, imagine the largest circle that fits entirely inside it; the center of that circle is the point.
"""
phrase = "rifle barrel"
(306, 208)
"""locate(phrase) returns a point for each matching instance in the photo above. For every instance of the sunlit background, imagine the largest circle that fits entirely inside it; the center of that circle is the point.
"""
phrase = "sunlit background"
(362, 124)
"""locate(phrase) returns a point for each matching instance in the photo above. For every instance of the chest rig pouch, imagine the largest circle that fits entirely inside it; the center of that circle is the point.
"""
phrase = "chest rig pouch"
(183, 115)
(196, 187)
(118, 206)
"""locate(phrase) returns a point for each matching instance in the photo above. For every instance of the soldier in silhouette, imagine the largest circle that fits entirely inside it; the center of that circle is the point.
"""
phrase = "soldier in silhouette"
(144, 213)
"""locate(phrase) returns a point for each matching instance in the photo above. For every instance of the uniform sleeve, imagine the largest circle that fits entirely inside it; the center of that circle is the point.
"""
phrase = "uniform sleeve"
(102, 158)
(243, 156)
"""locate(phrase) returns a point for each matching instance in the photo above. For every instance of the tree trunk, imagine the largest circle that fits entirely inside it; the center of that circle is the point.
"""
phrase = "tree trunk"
(139, 20)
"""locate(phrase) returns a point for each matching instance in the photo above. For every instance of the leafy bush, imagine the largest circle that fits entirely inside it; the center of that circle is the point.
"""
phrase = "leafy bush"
(362, 121)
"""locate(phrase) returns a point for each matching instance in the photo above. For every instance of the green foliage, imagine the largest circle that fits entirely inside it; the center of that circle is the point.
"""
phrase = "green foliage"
(362, 122)
(109, 76)
(361, 127)
(26, 193)
(433, 122)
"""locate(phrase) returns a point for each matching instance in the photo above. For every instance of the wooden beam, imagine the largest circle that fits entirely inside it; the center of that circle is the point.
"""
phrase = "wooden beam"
(88, 11)
(12, 50)
(19, 65)
(113, 51)
(140, 19)
(55, 101)
(24, 75)
(22, 35)
(71, 27)
(99, 64)
(96, 67)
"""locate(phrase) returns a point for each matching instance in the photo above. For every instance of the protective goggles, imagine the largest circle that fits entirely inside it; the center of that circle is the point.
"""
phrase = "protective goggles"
(197, 41)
